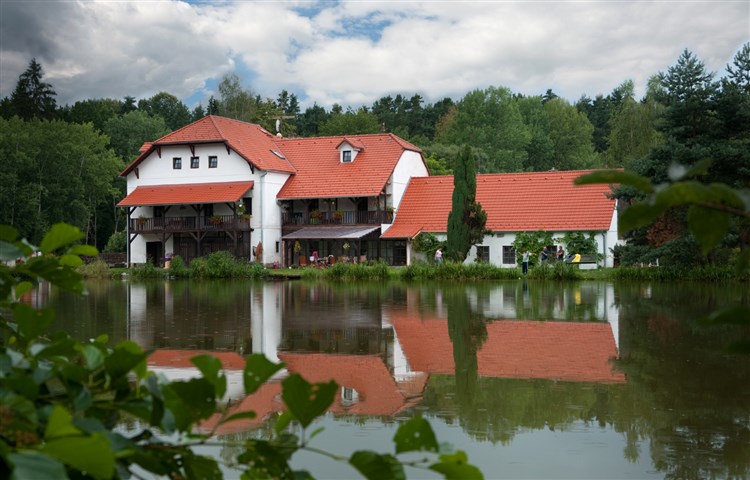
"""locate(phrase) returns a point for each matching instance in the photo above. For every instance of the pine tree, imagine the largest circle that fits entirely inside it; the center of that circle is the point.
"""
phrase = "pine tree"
(32, 97)
(467, 219)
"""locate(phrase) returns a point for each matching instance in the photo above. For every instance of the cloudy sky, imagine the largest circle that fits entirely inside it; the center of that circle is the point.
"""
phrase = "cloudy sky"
(353, 53)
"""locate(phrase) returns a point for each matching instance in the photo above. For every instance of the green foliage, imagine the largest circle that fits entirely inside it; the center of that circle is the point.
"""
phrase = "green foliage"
(118, 242)
(177, 267)
(96, 269)
(351, 123)
(33, 98)
(490, 121)
(350, 271)
(533, 242)
(555, 271)
(64, 399)
(128, 132)
(147, 270)
(579, 242)
(467, 219)
(457, 271)
(55, 171)
(222, 264)
(427, 244)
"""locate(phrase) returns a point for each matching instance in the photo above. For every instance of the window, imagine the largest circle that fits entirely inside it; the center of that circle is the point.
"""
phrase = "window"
(346, 156)
(177, 163)
(483, 253)
(509, 255)
(195, 162)
(213, 162)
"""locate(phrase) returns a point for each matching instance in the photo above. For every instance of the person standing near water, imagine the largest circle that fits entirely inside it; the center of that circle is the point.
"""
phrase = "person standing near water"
(438, 256)
(525, 262)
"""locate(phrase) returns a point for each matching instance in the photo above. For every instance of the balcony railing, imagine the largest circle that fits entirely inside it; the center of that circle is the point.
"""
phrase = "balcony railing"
(333, 218)
(190, 224)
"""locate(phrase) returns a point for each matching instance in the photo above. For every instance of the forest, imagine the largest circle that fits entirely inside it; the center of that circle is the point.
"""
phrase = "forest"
(61, 163)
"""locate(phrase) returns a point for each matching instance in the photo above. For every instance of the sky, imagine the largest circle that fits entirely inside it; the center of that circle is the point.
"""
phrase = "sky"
(353, 53)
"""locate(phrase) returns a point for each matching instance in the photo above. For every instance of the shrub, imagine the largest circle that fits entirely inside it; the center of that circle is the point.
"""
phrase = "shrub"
(117, 242)
(96, 269)
(555, 271)
(177, 267)
(148, 270)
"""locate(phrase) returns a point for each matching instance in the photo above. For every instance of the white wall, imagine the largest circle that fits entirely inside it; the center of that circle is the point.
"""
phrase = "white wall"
(497, 241)
(409, 165)
(231, 167)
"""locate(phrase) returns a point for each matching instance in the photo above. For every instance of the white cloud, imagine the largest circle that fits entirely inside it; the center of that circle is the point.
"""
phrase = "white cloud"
(353, 53)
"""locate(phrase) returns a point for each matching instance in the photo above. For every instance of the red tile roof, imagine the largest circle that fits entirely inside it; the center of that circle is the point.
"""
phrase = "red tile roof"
(255, 144)
(186, 194)
(367, 374)
(576, 352)
(321, 174)
(513, 202)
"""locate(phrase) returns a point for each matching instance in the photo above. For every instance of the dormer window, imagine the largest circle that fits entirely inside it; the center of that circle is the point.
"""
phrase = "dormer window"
(348, 149)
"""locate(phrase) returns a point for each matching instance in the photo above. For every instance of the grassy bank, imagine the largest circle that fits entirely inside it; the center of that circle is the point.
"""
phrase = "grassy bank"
(222, 265)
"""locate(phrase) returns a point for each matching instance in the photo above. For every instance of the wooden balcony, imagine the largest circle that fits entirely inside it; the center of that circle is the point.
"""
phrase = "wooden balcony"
(216, 223)
(331, 218)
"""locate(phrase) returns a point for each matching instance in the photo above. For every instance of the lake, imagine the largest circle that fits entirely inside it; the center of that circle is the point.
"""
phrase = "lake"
(531, 379)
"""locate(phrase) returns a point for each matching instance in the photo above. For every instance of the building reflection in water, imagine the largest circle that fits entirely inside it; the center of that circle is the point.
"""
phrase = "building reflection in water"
(381, 345)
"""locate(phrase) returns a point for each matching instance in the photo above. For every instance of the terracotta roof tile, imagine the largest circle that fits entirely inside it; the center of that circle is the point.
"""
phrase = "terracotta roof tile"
(576, 352)
(513, 202)
(255, 144)
(321, 174)
(186, 194)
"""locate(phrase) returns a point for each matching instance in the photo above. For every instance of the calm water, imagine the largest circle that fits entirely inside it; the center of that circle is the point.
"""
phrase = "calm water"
(533, 380)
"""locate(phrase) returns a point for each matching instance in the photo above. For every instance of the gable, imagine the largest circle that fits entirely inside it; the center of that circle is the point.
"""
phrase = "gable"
(253, 143)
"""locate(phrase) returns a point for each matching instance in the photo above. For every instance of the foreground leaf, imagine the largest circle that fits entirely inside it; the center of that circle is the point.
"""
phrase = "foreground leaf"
(375, 466)
(307, 401)
(37, 466)
(415, 435)
(258, 370)
(455, 467)
(92, 454)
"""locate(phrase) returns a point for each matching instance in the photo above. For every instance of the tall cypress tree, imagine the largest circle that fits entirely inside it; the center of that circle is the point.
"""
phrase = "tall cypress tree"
(467, 219)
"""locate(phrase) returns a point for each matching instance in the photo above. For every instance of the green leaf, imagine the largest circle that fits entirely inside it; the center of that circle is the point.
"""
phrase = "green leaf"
(93, 355)
(683, 193)
(708, 226)
(283, 421)
(8, 233)
(91, 454)
(638, 215)
(190, 401)
(616, 176)
(733, 315)
(60, 424)
(210, 367)
(258, 370)
(267, 460)
(84, 250)
(125, 357)
(60, 235)
(199, 467)
(22, 288)
(34, 465)
(307, 401)
(72, 261)
(240, 416)
(455, 466)
(415, 435)
(32, 322)
(9, 252)
(375, 466)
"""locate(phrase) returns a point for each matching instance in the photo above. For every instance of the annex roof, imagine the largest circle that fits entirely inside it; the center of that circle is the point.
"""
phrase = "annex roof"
(252, 142)
(186, 194)
(513, 201)
(333, 233)
(524, 349)
(320, 173)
